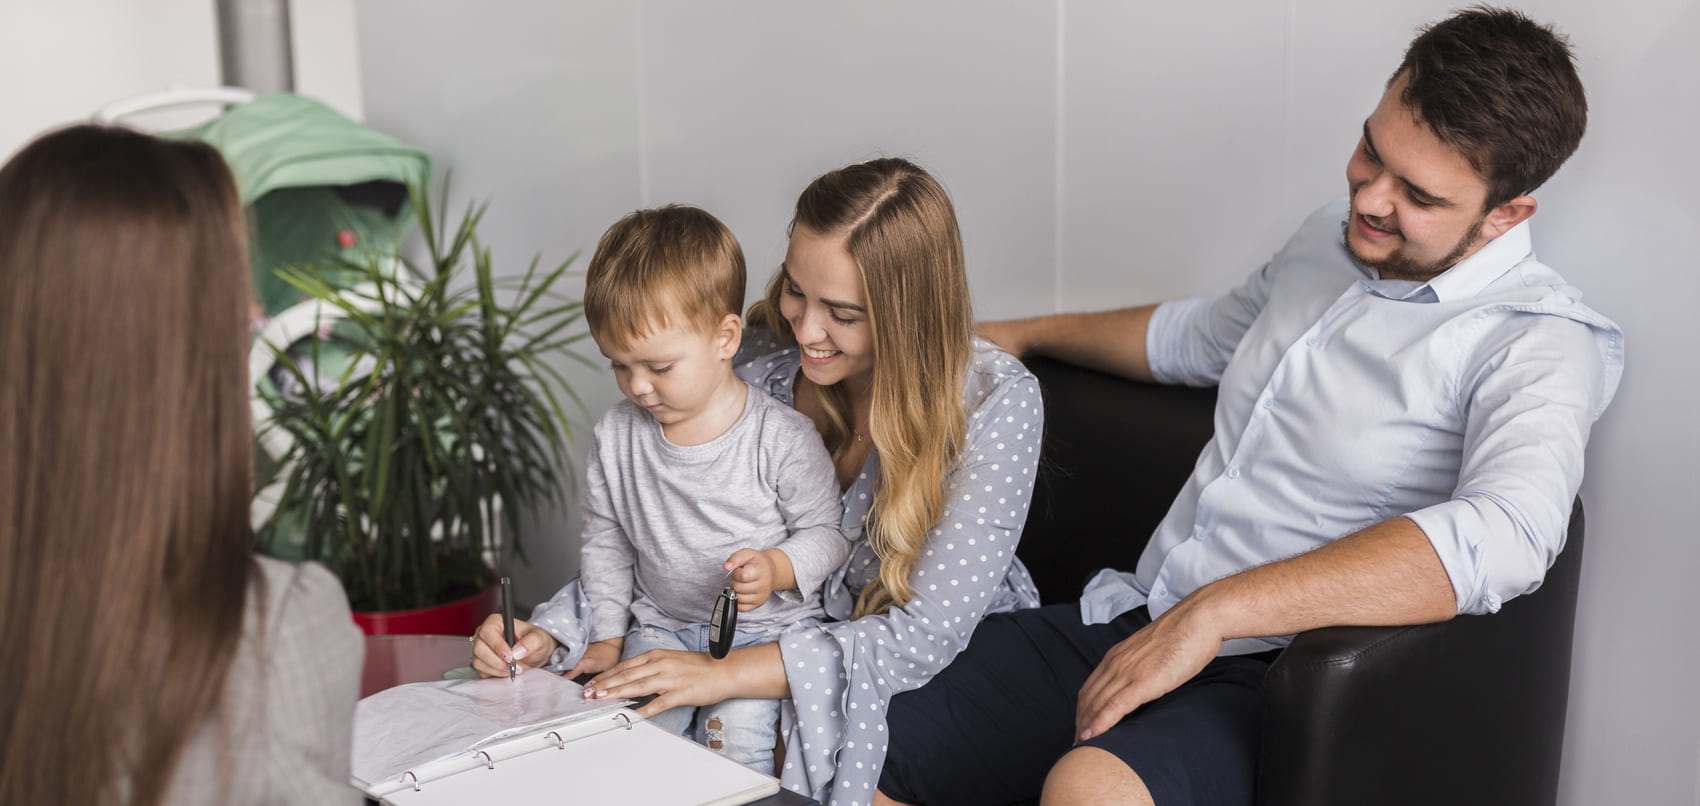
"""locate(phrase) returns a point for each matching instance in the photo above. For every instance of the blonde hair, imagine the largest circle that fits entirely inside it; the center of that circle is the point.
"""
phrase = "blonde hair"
(653, 266)
(900, 228)
(125, 552)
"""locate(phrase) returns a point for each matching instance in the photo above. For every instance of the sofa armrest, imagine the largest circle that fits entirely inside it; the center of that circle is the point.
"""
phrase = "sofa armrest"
(1466, 711)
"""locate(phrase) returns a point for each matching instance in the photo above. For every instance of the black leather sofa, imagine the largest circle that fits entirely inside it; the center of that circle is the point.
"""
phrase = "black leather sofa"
(1465, 712)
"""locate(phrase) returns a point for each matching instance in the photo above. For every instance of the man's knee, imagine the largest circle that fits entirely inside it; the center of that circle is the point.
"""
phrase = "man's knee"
(1089, 775)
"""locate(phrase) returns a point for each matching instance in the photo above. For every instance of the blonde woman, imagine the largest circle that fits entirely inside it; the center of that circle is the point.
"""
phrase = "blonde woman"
(935, 437)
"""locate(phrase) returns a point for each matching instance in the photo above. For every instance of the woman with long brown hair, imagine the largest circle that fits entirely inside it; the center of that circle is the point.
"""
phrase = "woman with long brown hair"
(151, 656)
(935, 435)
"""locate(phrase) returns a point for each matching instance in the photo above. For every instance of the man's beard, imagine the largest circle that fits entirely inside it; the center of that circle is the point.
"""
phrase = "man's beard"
(1399, 266)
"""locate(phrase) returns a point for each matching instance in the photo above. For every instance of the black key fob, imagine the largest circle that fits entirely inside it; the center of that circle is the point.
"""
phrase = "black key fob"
(722, 623)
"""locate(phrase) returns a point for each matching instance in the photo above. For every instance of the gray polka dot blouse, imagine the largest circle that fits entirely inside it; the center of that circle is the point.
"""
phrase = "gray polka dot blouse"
(843, 673)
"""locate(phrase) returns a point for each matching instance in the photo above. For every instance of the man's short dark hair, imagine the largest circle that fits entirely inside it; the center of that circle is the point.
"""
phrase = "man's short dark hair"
(1503, 90)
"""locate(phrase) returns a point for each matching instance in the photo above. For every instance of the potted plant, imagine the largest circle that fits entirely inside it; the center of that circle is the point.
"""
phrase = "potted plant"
(408, 464)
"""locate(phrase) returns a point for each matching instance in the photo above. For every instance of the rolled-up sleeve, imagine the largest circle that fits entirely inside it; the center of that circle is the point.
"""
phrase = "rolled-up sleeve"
(1190, 341)
(1532, 399)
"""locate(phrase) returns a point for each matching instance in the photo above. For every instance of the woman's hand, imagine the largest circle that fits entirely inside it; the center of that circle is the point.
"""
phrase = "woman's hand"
(599, 657)
(676, 677)
(490, 654)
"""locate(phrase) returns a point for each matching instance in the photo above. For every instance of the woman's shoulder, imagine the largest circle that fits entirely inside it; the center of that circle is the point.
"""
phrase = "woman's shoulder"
(994, 375)
(300, 609)
(294, 590)
(766, 364)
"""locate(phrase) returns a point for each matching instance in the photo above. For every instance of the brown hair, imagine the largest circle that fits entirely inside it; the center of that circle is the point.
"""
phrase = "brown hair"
(654, 265)
(125, 549)
(900, 228)
(1503, 90)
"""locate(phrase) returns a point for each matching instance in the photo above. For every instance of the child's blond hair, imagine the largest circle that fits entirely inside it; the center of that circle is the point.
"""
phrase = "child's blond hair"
(661, 267)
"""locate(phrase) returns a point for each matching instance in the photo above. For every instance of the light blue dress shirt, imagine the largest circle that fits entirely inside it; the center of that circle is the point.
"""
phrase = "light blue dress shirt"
(1463, 403)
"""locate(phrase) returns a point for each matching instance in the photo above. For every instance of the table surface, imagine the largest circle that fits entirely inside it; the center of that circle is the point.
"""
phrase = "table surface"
(392, 660)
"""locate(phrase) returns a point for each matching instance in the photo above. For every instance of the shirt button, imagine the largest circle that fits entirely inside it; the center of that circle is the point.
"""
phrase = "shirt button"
(1234, 472)
(1312, 341)
(1269, 402)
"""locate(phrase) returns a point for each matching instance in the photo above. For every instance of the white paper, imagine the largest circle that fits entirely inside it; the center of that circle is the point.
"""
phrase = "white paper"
(409, 726)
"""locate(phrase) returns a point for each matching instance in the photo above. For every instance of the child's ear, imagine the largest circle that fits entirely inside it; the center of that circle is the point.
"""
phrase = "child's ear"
(728, 336)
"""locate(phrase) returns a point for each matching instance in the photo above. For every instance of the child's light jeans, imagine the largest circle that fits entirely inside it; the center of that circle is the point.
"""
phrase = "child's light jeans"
(744, 730)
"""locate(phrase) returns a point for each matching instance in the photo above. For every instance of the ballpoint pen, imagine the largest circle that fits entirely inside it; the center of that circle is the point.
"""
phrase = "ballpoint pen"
(508, 625)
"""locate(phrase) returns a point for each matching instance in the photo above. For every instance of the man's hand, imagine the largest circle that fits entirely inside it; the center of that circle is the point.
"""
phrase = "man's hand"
(532, 647)
(757, 574)
(1007, 334)
(1146, 665)
(599, 657)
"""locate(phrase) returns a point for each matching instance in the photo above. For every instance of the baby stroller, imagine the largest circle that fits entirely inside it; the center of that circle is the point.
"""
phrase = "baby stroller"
(320, 191)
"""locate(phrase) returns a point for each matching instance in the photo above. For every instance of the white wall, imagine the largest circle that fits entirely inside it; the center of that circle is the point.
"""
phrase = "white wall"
(741, 111)
(63, 60)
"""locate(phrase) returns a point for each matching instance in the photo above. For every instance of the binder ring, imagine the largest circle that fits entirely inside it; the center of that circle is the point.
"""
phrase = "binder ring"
(409, 774)
(560, 743)
(488, 763)
(623, 715)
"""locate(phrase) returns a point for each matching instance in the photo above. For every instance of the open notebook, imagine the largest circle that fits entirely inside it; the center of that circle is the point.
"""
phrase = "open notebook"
(466, 741)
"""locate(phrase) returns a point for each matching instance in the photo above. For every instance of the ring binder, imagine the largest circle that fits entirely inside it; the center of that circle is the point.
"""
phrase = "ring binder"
(596, 747)
(412, 738)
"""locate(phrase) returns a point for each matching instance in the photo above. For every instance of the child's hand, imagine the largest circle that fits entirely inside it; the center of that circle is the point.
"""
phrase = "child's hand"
(754, 577)
(599, 657)
(532, 646)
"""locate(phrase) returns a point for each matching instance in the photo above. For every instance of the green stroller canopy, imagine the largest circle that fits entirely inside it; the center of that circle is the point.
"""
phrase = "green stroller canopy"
(319, 188)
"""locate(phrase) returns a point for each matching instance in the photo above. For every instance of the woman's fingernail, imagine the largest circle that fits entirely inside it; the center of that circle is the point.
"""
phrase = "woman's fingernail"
(519, 652)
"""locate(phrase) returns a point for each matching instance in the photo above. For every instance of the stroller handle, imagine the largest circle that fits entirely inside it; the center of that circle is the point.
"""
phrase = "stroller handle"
(171, 99)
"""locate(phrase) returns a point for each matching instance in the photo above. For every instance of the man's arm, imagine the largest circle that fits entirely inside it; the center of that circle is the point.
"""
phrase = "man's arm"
(1109, 341)
(1186, 342)
(1386, 574)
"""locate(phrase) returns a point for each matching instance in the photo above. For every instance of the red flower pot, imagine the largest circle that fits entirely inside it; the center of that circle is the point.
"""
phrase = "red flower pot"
(459, 617)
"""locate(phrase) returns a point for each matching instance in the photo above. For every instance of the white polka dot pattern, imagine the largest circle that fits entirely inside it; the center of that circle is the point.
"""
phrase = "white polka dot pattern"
(843, 674)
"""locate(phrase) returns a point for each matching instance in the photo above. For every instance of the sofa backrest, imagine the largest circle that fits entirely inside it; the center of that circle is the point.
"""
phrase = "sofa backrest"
(1114, 456)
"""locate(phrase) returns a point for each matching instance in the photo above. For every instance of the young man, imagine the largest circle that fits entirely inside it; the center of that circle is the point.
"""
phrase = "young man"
(1406, 393)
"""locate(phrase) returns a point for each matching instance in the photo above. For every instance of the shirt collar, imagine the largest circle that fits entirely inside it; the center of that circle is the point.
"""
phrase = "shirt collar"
(1466, 278)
